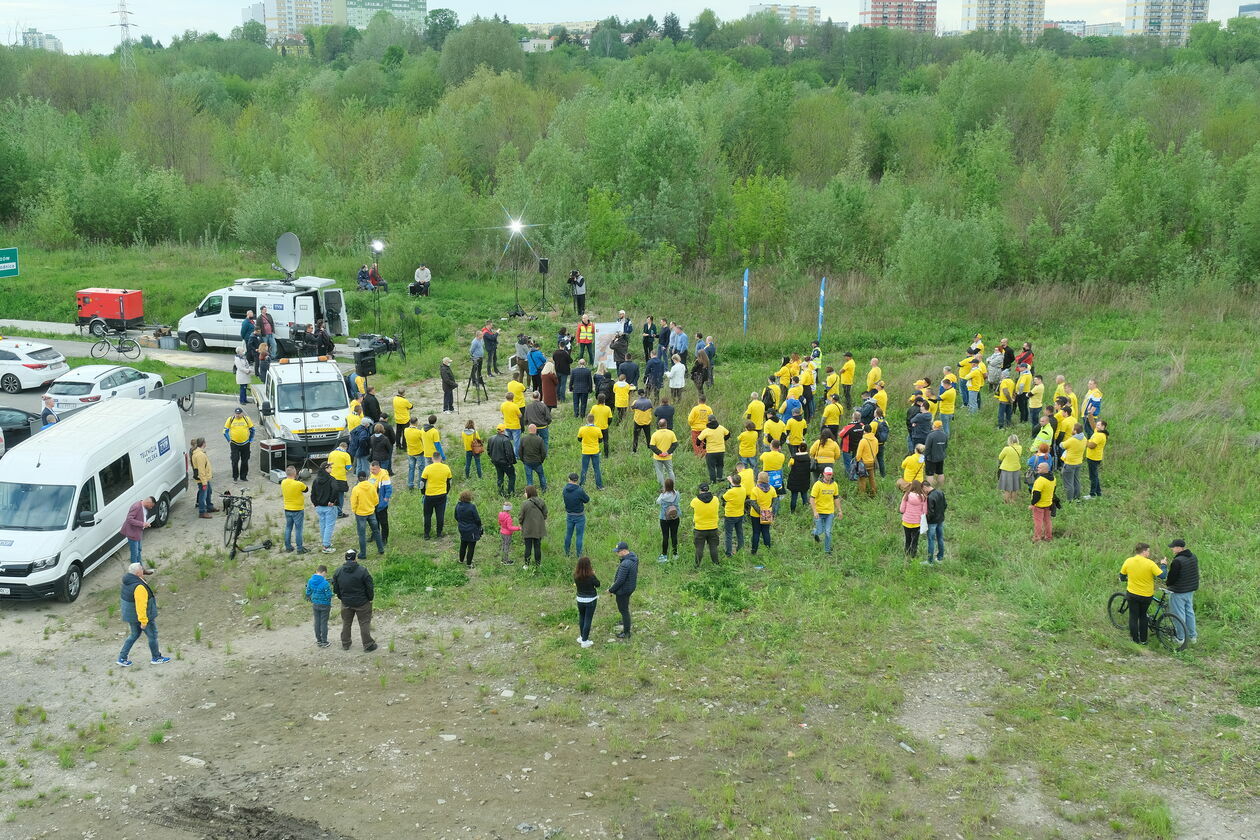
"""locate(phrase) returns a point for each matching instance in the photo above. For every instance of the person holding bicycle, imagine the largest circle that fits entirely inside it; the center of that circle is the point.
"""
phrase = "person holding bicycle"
(1140, 573)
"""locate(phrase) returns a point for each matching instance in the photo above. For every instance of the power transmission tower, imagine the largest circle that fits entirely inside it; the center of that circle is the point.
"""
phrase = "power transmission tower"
(125, 59)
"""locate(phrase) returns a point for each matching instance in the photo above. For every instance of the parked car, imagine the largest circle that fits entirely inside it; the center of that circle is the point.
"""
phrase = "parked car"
(28, 364)
(15, 426)
(89, 384)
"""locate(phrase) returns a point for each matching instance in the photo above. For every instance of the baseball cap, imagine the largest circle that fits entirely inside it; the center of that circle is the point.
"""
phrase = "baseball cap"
(1177, 544)
(828, 471)
(621, 546)
(501, 427)
(238, 411)
(937, 424)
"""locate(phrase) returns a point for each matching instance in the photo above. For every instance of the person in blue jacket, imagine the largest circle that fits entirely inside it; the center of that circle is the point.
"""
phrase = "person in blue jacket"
(319, 593)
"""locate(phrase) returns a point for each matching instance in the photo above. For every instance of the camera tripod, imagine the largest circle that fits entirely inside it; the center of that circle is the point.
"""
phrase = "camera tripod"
(476, 386)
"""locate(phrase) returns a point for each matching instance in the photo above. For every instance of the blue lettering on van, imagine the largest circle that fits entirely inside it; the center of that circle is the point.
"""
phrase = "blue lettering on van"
(5, 543)
(164, 446)
(279, 307)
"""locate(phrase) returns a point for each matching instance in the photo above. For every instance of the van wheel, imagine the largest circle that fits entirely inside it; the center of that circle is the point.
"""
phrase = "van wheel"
(97, 327)
(195, 342)
(162, 511)
(10, 384)
(68, 587)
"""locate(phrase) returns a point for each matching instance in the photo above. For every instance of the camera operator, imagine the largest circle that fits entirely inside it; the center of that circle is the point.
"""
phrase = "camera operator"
(577, 284)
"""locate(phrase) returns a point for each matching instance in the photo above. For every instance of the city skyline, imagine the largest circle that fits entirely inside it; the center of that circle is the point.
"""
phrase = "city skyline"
(87, 25)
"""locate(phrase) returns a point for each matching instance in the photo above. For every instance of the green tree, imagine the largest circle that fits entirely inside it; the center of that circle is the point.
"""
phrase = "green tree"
(606, 40)
(671, 28)
(251, 31)
(703, 27)
(482, 43)
(608, 233)
(439, 24)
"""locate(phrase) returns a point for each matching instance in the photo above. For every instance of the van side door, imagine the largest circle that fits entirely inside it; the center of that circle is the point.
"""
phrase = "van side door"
(303, 311)
(334, 312)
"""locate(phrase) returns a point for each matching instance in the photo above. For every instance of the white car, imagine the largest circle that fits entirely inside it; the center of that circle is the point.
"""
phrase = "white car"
(26, 364)
(90, 384)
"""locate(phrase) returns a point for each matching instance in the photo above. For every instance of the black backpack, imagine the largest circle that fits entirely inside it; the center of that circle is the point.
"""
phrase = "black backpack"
(881, 433)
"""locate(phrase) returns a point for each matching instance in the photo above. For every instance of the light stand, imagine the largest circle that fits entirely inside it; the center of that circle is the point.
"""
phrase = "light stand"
(377, 246)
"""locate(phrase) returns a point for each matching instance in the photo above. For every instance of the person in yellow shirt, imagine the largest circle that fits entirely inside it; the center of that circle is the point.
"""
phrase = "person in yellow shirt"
(697, 419)
(948, 403)
(1009, 469)
(511, 412)
(772, 396)
(1023, 390)
(772, 462)
(784, 373)
(912, 468)
(868, 453)
(824, 501)
(847, 372)
(881, 396)
(516, 389)
(748, 445)
(808, 379)
(363, 501)
(1093, 405)
(735, 499)
(292, 490)
(437, 484)
(589, 435)
(413, 440)
(473, 447)
(621, 397)
(203, 474)
(338, 461)
(1073, 456)
(662, 446)
(775, 430)
(964, 378)
(872, 376)
(975, 382)
(1036, 400)
(794, 365)
(1060, 387)
(402, 416)
(831, 413)
(831, 384)
(1094, 458)
(355, 415)
(379, 476)
(756, 414)
(1006, 400)
(1073, 399)
(239, 433)
(825, 451)
(432, 440)
(602, 413)
(704, 522)
(761, 510)
(1042, 501)
(796, 427)
(713, 438)
(1140, 573)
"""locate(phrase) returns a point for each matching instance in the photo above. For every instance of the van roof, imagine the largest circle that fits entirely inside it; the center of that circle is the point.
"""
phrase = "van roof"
(273, 284)
(87, 373)
(59, 450)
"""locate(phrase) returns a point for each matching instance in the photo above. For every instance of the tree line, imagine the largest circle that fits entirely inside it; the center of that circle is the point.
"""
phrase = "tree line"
(963, 161)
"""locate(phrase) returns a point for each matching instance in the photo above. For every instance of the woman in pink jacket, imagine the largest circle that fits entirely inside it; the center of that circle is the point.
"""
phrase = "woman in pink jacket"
(913, 509)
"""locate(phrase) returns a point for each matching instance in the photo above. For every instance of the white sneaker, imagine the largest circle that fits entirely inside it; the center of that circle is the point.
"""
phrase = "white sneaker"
(1194, 640)
(588, 643)
(662, 559)
(1086, 498)
(579, 640)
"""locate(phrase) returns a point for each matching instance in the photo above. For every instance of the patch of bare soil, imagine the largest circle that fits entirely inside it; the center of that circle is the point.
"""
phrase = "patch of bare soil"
(1198, 818)
(1026, 805)
(951, 710)
(215, 819)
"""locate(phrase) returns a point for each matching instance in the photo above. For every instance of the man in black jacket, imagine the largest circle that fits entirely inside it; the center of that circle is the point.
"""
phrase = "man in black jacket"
(624, 584)
(654, 375)
(563, 361)
(920, 426)
(581, 383)
(503, 456)
(936, 505)
(630, 370)
(449, 385)
(934, 446)
(1183, 581)
(352, 584)
(371, 405)
(533, 453)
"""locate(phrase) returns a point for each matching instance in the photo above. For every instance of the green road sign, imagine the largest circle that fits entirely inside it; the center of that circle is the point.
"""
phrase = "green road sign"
(8, 262)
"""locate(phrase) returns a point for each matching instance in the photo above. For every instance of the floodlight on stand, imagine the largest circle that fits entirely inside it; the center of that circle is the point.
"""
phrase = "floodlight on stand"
(377, 246)
(515, 227)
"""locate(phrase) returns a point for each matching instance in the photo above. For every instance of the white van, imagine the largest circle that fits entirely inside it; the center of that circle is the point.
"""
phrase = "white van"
(216, 322)
(65, 493)
(304, 402)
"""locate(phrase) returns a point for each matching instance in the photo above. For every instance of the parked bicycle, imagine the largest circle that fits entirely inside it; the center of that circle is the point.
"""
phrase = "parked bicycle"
(117, 342)
(1161, 623)
(238, 511)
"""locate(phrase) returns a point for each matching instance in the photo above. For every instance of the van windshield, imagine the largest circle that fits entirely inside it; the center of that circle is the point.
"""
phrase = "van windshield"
(320, 396)
(34, 507)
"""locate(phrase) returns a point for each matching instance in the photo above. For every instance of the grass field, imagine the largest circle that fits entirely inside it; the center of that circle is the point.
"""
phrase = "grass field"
(862, 695)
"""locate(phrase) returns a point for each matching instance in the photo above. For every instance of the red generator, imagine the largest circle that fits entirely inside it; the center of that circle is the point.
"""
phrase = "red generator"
(116, 309)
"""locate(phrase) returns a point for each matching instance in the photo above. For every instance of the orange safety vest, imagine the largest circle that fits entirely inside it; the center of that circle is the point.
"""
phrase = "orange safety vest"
(585, 333)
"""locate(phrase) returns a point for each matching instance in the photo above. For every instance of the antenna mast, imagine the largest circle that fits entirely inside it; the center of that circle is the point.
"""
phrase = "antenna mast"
(126, 61)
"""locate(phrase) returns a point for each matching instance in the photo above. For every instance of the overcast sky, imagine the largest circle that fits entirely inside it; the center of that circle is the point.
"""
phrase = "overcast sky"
(85, 25)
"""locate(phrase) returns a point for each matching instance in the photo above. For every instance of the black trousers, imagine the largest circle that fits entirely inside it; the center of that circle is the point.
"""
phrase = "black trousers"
(648, 345)
(448, 399)
(466, 548)
(434, 505)
(707, 537)
(646, 431)
(533, 545)
(912, 540)
(240, 461)
(399, 443)
(510, 473)
(492, 358)
(669, 535)
(382, 520)
(1021, 402)
(716, 462)
(586, 614)
(579, 304)
(1138, 605)
(848, 396)
(623, 606)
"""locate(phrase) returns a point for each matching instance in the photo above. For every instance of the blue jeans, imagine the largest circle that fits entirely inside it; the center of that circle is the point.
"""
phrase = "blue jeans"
(293, 522)
(545, 434)
(562, 382)
(936, 536)
(575, 523)
(469, 460)
(734, 525)
(963, 392)
(1095, 483)
(530, 470)
(415, 466)
(1182, 606)
(515, 435)
(579, 404)
(363, 524)
(205, 498)
(945, 421)
(362, 464)
(751, 463)
(1004, 415)
(134, 545)
(327, 520)
(592, 460)
(270, 340)
(822, 527)
(136, 630)
(848, 461)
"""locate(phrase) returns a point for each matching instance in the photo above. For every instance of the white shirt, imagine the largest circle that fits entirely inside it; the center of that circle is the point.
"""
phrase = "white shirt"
(423, 275)
(677, 375)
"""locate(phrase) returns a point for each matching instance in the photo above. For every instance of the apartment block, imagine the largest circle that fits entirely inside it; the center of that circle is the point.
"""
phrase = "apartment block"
(915, 15)
(790, 14)
(1028, 16)
(1167, 20)
(1071, 27)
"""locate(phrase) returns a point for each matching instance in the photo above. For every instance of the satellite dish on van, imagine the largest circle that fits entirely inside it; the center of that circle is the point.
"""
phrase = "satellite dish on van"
(288, 254)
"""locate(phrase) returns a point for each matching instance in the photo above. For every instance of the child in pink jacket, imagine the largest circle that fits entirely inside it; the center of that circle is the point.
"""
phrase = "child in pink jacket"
(913, 508)
(506, 529)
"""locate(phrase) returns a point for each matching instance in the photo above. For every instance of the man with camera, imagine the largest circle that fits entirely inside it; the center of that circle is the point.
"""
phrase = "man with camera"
(577, 286)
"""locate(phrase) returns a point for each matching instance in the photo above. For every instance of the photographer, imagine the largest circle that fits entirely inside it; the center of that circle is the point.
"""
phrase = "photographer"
(577, 284)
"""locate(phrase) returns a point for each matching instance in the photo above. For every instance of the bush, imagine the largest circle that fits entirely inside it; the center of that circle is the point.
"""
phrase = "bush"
(124, 203)
(47, 221)
(936, 251)
(271, 205)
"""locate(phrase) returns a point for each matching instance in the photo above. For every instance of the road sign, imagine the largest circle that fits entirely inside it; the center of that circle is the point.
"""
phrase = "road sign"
(8, 262)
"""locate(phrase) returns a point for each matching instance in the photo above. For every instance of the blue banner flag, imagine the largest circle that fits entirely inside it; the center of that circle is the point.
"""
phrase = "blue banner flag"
(745, 301)
(822, 301)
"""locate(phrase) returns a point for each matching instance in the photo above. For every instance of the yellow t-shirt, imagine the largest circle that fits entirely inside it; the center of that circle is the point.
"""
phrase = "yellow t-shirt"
(1024, 384)
(1037, 395)
(292, 490)
(621, 394)
(590, 437)
(784, 375)
(736, 498)
(663, 439)
(1076, 404)
(437, 477)
(704, 514)
(698, 417)
(872, 376)
(432, 437)
(714, 439)
(776, 394)
(807, 376)
(831, 414)
(832, 384)
(827, 454)
(643, 416)
(602, 414)
(402, 410)
(413, 436)
(238, 428)
(1045, 486)
(1008, 458)
(364, 498)
(1095, 453)
(824, 496)
(468, 436)
(763, 498)
(949, 400)
(796, 431)
(517, 390)
(775, 430)
(354, 417)
(747, 479)
(796, 391)
(912, 467)
(1065, 425)
(846, 372)
(964, 368)
(1073, 450)
(975, 379)
(756, 412)
(771, 461)
(881, 400)
(748, 443)
(338, 460)
(1142, 572)
(511, 414)
(379, 479)
(1006, 391)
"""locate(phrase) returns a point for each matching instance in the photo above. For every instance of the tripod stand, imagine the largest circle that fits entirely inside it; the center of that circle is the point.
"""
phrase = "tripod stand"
(476, 386)
(544, 305)
(516, 311)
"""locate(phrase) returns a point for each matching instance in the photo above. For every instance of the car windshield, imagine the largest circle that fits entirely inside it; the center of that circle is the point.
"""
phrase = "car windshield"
(46, 355)
(34, 507)
(71, 389)
(320, 396)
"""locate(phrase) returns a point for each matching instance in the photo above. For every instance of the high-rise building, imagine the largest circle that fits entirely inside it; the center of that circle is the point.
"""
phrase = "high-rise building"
(915, 15)
(285, 18)
(1251, 10)
(254, 11)
(1167, 20)
(1071, 27)
(790, 14)
(359, 13)
(37, 40)
(1114, 29)
(1028, 16)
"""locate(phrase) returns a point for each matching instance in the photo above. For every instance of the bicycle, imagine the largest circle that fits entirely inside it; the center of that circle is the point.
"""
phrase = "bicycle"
(119, 343)
(238, 511)
(1162, 623)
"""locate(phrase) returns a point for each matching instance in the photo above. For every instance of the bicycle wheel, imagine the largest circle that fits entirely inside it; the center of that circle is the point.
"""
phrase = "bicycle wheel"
(231, 526)
(1166, 628)
(101, 349)
(129, 347)
(1118, 611)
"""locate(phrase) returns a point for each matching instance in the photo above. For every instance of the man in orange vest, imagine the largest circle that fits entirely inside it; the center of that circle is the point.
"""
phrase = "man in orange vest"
(586, 338)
